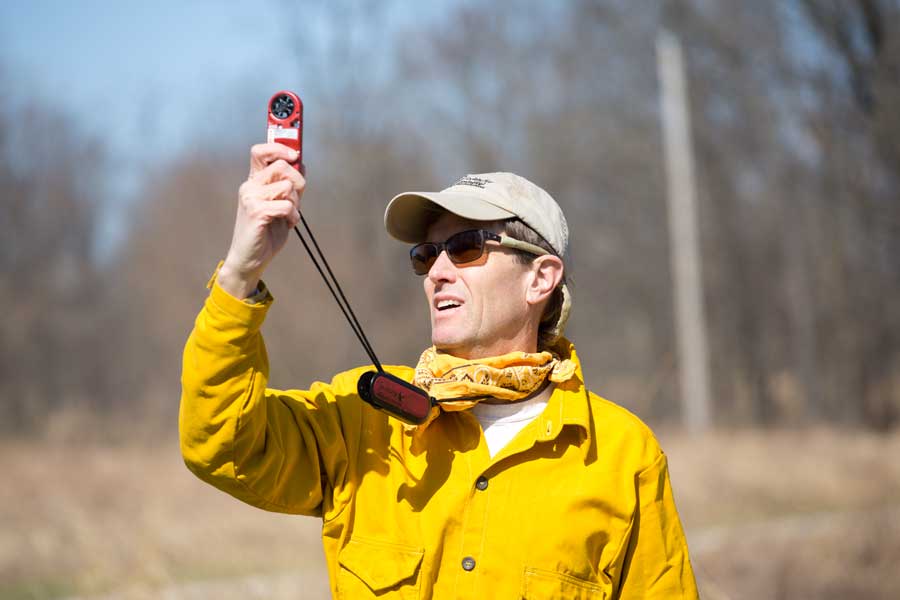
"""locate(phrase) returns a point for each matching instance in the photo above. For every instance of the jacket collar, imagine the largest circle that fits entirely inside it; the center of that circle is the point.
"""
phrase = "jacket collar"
(568, 405)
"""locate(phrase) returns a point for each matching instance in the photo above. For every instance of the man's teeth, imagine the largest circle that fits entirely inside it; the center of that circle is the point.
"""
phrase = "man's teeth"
(446, 304)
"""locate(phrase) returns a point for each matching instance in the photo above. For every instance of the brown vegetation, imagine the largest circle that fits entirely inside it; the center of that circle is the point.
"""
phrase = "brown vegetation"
(782, 514)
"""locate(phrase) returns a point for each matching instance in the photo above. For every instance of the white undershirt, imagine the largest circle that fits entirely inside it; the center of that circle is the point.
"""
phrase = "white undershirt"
(501, 422)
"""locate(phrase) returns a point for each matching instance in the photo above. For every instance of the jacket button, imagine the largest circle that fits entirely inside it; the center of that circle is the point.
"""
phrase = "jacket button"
(468, 563)
(481, 483)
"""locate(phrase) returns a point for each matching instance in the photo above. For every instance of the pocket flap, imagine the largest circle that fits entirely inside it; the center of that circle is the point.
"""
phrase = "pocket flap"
(380, 565)
(548, 584)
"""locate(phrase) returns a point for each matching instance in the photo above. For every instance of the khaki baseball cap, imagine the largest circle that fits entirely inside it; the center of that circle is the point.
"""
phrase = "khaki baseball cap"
(480, 197)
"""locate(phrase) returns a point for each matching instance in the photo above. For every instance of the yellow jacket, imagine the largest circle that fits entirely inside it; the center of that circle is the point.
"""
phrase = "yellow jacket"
(578, 505)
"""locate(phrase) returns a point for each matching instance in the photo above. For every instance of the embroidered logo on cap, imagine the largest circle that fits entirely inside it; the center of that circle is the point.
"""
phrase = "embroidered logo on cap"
(473, 181)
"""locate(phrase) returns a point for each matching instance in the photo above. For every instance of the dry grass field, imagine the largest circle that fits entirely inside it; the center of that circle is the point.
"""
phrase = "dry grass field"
(780, 514)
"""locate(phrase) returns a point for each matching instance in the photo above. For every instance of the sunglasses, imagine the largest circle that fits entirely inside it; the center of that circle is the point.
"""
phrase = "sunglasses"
(464, 247)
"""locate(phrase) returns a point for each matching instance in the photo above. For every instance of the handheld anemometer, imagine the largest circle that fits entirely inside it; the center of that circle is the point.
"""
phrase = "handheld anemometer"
(379, 388)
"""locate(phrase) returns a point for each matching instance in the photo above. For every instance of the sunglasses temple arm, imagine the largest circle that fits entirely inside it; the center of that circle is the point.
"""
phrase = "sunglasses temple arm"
(520, 245)
(342, 301)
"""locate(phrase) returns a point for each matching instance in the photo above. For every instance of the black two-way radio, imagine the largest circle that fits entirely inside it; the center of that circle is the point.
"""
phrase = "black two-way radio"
(379, 388)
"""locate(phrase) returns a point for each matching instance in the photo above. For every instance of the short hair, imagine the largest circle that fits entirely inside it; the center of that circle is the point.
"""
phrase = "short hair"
(547, 329)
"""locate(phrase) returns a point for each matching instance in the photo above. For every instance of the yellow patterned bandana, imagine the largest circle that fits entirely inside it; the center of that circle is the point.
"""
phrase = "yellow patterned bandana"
(459, 384)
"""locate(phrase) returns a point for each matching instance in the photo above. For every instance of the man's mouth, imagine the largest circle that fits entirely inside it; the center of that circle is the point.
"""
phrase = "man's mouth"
(446, 305)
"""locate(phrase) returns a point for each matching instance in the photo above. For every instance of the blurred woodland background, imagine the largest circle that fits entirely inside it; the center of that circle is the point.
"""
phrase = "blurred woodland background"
(797, 141)
(793, 106)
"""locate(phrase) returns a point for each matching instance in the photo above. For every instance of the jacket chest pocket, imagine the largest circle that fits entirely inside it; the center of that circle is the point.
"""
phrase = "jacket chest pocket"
(541, 584)
(377, 569)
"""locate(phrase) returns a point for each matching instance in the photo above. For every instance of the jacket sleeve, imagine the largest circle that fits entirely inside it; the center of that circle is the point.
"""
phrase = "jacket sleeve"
(656, 562)
(281, 451)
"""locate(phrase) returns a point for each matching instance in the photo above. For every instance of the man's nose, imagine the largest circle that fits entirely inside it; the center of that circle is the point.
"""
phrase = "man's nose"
(443, 268)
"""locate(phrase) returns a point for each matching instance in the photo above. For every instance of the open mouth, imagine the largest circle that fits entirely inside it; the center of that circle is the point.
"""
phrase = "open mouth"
(447, 305)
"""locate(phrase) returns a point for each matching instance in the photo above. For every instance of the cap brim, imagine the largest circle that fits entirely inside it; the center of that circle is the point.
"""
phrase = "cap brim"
(408, 216)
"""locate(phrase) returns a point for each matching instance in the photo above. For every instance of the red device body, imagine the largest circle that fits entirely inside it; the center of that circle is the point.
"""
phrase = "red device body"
(393, 395)
(285, 123)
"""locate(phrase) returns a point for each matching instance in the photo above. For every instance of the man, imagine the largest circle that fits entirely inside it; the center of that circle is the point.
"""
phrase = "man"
(522, 484)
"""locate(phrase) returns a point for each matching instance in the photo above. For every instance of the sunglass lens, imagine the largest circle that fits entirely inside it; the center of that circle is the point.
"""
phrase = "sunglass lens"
(422, 257)
(465, 246)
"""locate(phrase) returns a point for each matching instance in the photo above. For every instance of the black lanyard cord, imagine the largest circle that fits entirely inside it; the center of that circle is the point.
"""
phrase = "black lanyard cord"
(380, 389)
(345, 305)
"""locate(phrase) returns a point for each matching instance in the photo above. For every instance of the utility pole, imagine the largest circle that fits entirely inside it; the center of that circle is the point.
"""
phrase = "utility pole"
(690, 324)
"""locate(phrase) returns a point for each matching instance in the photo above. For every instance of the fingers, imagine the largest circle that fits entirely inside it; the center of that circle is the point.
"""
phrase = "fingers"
(262, 155)
(251, 192)
(279, 209)
(256, 197)
(277, 190)
(274, 187)
(280, 170)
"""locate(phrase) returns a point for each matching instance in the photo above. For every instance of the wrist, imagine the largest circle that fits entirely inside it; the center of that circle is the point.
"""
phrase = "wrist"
(237, 284)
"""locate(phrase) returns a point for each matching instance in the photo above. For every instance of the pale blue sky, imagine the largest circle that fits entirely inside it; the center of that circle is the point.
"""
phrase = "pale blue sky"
(135, 70)
(132, 70)
(135, 73)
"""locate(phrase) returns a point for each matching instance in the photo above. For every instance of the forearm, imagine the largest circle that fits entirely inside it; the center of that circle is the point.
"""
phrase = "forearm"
(657, 564)
(223, 377)
(272, 449)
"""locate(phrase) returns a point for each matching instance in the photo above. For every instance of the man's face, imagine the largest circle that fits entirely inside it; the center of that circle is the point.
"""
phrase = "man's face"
(478, 309)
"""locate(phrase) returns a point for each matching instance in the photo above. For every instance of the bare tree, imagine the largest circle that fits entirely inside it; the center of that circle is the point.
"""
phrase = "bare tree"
(51, 334)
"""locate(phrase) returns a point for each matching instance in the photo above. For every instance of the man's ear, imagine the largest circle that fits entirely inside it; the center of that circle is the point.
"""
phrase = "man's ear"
(546, 273)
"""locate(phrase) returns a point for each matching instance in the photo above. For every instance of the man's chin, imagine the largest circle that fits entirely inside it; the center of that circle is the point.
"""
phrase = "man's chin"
(444, 346)
(449, 346)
